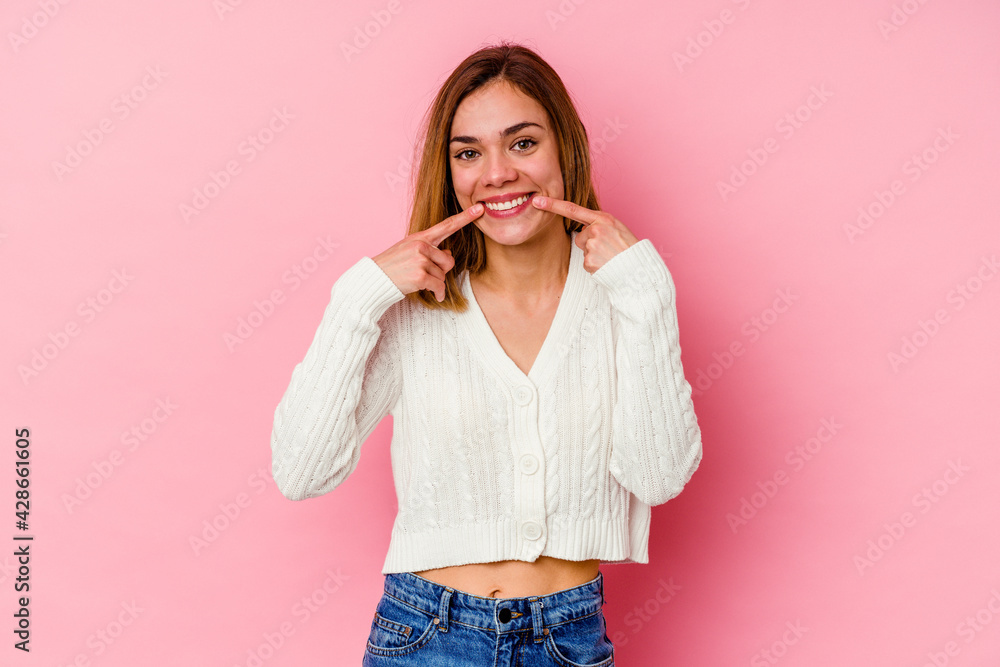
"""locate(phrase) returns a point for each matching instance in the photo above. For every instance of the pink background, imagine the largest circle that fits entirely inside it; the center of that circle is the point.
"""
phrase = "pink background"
(837, 559)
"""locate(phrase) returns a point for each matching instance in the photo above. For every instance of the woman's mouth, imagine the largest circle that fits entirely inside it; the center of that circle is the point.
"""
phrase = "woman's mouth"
(508, 209)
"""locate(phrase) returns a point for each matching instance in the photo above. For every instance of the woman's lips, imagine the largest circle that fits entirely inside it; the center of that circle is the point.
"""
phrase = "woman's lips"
(510, 212)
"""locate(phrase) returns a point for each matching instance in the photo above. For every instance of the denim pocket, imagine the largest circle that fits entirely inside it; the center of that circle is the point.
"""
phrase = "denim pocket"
(399, 628)
(582, 642)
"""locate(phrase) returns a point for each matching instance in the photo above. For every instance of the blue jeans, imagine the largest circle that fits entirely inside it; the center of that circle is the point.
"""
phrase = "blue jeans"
(420, 622)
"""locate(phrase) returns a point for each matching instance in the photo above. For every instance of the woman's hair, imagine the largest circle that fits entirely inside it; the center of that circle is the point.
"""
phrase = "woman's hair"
(433, 194)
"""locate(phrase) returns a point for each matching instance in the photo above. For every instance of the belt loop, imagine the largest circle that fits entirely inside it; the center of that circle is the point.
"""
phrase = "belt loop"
(536, 619)
(443, 609)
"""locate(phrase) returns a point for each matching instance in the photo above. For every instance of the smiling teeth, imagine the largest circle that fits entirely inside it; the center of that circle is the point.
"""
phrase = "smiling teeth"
(507, 205)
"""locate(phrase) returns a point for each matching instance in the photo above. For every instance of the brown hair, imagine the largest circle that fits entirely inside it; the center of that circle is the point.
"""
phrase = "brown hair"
(433, 194)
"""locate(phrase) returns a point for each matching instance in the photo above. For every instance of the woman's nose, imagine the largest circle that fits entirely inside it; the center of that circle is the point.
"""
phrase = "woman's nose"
(498, 169)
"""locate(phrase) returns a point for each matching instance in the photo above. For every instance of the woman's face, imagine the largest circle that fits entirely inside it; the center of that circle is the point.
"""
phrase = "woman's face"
(502, 148)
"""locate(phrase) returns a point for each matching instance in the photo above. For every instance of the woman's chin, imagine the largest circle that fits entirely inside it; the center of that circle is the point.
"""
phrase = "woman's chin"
(507, 232)
(513, 231)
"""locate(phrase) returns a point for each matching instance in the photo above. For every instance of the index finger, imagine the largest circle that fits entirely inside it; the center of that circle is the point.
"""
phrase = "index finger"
(567, 209)
(442, 230)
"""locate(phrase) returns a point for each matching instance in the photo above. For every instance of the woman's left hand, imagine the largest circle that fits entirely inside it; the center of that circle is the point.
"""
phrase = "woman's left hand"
(603, 236)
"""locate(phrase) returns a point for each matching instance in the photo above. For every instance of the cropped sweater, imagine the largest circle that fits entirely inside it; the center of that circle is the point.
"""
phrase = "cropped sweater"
(490, 463)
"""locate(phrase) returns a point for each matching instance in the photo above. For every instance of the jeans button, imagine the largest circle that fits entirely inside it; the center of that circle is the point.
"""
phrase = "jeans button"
(505, 615)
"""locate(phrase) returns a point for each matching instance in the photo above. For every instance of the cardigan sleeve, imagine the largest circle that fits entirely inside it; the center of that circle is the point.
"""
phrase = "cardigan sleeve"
(656, 440)
(348, 381)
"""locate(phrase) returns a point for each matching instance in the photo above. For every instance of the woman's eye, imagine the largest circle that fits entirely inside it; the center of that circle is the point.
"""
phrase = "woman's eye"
(521, 145)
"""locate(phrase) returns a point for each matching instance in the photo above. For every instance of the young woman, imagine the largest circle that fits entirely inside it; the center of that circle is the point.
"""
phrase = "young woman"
(526, 344)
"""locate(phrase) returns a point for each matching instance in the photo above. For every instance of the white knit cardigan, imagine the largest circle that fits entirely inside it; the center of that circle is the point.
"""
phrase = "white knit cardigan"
(488, 463)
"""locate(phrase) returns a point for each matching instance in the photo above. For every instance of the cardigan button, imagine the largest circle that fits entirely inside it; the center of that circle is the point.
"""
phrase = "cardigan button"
(529, 464)
(523, 395)
(531, 530)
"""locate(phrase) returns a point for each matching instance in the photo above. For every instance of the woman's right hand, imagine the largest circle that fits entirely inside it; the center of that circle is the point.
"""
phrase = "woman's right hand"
(416, 263)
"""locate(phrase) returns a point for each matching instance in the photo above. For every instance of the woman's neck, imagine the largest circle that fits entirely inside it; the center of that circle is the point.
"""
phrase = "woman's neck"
(527, 271)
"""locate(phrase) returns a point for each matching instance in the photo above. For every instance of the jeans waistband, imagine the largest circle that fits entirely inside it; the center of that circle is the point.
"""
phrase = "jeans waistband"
(502, 615)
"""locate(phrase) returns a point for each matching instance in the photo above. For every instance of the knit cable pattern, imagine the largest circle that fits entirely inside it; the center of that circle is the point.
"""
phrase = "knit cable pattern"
(608, 412)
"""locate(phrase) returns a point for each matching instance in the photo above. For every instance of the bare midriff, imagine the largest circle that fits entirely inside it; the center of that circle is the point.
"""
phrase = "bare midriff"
(515, 578)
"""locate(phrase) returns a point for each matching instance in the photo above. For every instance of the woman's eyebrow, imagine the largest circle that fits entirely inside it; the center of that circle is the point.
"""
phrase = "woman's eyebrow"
(506, 133)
